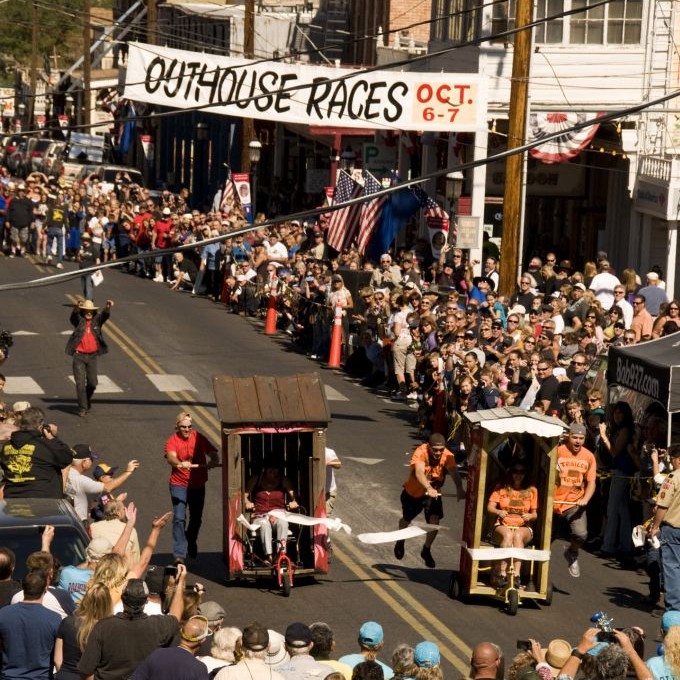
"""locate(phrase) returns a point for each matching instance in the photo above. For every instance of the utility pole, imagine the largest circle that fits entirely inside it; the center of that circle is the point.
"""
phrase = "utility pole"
(151, 22)
(248, 53)
(514, 164)
(34, 65)
(87, 62)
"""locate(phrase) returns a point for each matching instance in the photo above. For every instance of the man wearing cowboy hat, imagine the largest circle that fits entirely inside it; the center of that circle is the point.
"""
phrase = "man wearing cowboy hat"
(85, 345)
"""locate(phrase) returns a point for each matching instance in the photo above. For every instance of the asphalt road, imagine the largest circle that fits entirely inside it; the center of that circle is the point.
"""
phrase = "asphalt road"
(157, 335)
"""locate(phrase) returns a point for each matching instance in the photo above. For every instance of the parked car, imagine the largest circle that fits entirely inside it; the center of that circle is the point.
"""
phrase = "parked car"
(52, 153)
(79, 150)
(22, 521)
(35, 152)
(110, 175)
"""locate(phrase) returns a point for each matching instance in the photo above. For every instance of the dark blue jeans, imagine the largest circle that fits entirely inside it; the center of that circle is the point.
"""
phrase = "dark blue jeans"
(184, 499)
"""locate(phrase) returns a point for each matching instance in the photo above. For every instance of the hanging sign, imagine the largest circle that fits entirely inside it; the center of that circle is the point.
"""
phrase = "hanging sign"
(303, 93)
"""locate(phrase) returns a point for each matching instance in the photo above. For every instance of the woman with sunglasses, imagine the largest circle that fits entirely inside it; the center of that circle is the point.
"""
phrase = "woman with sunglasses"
(615, 314)
(514, 502)
(667, 312)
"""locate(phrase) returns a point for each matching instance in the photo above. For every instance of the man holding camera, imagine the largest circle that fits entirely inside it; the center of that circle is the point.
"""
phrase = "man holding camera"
(33, 459)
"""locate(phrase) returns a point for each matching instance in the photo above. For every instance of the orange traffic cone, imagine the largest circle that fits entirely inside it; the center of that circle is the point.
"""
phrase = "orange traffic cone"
(270, 321)
(336, 339)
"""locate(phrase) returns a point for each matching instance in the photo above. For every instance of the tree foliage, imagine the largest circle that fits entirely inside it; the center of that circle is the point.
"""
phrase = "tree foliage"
(60, 27)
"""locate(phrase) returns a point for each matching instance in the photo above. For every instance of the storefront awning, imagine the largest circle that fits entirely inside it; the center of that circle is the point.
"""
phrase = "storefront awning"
(650, 368)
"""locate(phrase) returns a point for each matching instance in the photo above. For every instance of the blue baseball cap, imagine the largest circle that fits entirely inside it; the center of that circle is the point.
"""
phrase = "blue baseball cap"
(669, 619)
(371, 634)
(426, 655)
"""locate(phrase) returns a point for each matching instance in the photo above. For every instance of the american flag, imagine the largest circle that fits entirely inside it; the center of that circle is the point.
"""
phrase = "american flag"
(435, 216)
(344, 223)
(228, 194)
(371, 211)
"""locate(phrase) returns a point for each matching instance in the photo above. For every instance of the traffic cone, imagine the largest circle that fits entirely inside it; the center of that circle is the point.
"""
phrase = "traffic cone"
(336, 339)
(270, 321)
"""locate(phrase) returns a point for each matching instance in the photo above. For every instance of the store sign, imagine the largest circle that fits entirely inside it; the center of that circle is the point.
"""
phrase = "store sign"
(559, 179)
(636, 376)
(379, 158)
(655, 199)
(303, 93)
(7, 95)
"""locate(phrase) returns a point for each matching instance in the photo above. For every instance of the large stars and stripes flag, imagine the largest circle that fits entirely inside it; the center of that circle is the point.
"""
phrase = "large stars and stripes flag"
(435, 216)
(344, 223)
(371, 211)
(228, 194)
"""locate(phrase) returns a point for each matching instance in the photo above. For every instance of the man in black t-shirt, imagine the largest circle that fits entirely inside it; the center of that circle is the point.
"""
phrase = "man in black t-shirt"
(119, 643)
(547, 393)
(186, 272)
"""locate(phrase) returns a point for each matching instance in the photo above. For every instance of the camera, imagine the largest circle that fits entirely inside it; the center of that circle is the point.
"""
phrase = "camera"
(606, 636)
(524, 645)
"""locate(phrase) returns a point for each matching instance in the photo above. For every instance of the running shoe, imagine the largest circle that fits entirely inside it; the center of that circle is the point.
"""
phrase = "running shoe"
(399, 550)
(572, 563)
(427, 557)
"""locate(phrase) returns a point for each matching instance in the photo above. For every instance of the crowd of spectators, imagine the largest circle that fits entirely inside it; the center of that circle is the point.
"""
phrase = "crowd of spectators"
(425, 329)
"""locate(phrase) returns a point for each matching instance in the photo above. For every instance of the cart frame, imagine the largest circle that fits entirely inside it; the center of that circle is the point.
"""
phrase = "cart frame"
(285, 417)
(488, 430)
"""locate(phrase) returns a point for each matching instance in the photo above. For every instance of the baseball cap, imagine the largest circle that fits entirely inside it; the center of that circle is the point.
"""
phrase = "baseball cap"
(255, 637)
(298, 635)
(620, 324)
(371, 633)
(577, 428)
(669, 619)
(83, 451)
(166, 211)
(426, 655)
(213, 611)
(580, 286)
(20, 406)
(136, 593)
(154, 579)
(470, 334)
(437, 439)
(98, 547)
(104, 469)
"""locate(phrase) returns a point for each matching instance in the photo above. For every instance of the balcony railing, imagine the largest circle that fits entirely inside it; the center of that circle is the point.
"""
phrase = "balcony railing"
(660, 169)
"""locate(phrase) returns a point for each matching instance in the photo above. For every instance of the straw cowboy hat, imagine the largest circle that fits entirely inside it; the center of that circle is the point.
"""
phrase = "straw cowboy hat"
(87, 306)
(556, 654)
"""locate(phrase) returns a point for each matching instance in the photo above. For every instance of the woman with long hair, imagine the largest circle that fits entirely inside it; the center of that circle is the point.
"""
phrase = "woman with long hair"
(514, 502)
(667, 312)
(75, 629)
(631, 282)
(615, 314)
(616, 440)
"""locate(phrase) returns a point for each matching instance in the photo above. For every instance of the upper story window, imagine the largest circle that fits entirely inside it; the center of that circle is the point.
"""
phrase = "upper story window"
(617, 23)
(456, 20)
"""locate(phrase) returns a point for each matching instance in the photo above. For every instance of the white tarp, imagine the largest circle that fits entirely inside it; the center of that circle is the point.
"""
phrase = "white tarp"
(307, 94)
(523, 424)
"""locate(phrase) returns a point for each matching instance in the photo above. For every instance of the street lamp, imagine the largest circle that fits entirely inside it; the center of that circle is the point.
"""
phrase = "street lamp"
(22, 112)
(254, 153)
(202, 132)
(454, 188)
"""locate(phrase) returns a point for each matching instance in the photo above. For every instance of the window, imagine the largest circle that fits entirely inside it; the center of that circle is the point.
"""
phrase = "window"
(456, 20)
(617, 23)
(549, 32)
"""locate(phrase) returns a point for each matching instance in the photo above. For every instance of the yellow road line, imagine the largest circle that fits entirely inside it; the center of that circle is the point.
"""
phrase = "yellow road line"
(419, 623)
(422, 621)
(412, 602)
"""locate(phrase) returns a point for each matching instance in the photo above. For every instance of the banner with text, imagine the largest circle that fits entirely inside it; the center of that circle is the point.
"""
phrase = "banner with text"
(302, 93)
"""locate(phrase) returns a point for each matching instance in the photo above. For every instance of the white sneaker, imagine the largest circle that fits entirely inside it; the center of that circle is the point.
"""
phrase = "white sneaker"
(49, 259)
(572, 563)
(60, 265)
(158, 278)
(412, 396)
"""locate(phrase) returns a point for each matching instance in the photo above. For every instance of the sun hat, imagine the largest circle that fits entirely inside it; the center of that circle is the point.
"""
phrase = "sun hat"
(556, 654)
(276, 652)
(98, 547)
(87, 306)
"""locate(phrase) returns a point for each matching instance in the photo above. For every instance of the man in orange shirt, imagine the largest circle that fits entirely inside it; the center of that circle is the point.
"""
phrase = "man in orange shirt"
(575, 486)
(422, 490)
